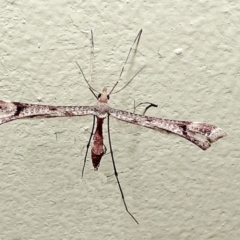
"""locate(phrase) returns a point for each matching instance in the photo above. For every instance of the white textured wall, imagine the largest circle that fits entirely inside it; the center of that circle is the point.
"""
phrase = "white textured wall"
(174, 189)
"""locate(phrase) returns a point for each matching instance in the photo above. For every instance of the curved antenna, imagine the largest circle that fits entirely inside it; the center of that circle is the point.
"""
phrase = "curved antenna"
(137, 39)
(128, 81)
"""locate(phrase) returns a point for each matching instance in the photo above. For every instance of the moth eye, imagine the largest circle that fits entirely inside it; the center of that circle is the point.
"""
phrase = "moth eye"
(108, 97)
(99, 95)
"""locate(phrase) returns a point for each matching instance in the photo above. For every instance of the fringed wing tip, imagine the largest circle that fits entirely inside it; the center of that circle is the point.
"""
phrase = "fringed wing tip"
(203, 134)
(216, 134)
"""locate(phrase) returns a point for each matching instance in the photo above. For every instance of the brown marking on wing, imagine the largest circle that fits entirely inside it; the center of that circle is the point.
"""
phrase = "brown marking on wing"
(53, 108)
(19, 108)
(68, 114)
(201, 134)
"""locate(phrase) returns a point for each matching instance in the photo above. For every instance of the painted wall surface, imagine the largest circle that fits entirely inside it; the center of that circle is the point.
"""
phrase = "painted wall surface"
(174, 189)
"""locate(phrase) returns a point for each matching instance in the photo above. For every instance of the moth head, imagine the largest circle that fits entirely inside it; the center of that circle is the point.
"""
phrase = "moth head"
(104, 96)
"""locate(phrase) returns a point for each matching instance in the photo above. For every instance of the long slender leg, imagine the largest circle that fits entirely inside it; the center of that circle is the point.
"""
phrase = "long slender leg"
(116, 173)
(88, 145)
(146, 108)
(92, 56)
(90, 87)
(150, 105)
(91, 68)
